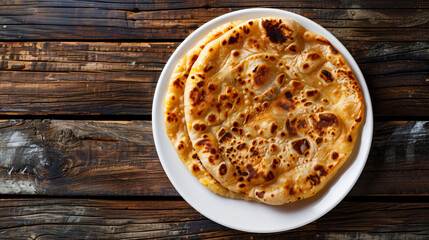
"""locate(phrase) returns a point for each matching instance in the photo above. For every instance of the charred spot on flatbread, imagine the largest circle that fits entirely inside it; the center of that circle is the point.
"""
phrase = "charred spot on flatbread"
(276, 31)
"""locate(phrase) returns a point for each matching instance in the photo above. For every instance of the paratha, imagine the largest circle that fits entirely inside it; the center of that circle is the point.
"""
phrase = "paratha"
(272, 110)
(175, 118)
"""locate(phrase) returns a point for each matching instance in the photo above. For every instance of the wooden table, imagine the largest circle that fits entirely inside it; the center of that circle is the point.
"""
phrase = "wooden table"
(77, 158)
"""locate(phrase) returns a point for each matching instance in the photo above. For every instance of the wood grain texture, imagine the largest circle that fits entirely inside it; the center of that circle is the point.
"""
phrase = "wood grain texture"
(341, 4)
(132, 5)
(115, 219)
(348, 20)
(81, 158)
(80, 78)
(99, 158)
(77, 78)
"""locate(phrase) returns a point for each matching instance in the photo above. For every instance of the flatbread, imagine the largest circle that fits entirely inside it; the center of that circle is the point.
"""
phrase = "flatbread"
(175, 118)
(272, 110)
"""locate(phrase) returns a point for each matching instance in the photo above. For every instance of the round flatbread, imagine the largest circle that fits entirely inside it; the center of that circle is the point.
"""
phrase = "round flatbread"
(272, 110)
(175, 117)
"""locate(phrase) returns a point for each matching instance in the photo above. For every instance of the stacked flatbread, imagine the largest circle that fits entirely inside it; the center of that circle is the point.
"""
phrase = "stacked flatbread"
(263, 110)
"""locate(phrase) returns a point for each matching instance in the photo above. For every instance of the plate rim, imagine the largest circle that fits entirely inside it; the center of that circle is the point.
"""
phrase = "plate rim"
(162, 85)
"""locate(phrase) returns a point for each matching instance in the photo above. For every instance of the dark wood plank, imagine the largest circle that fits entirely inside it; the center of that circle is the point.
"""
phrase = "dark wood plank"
(103, 20)
(40, 78)
(135, 6)
(356, 4)
(113, 219)
(80, 78)
(391, 161)
(80, 158)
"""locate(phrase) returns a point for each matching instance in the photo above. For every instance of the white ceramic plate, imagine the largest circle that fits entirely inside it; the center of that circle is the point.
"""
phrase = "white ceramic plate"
(253, 216)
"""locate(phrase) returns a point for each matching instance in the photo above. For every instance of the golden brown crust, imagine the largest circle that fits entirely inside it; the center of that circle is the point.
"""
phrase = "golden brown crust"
(272, 110)
(175, 119)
